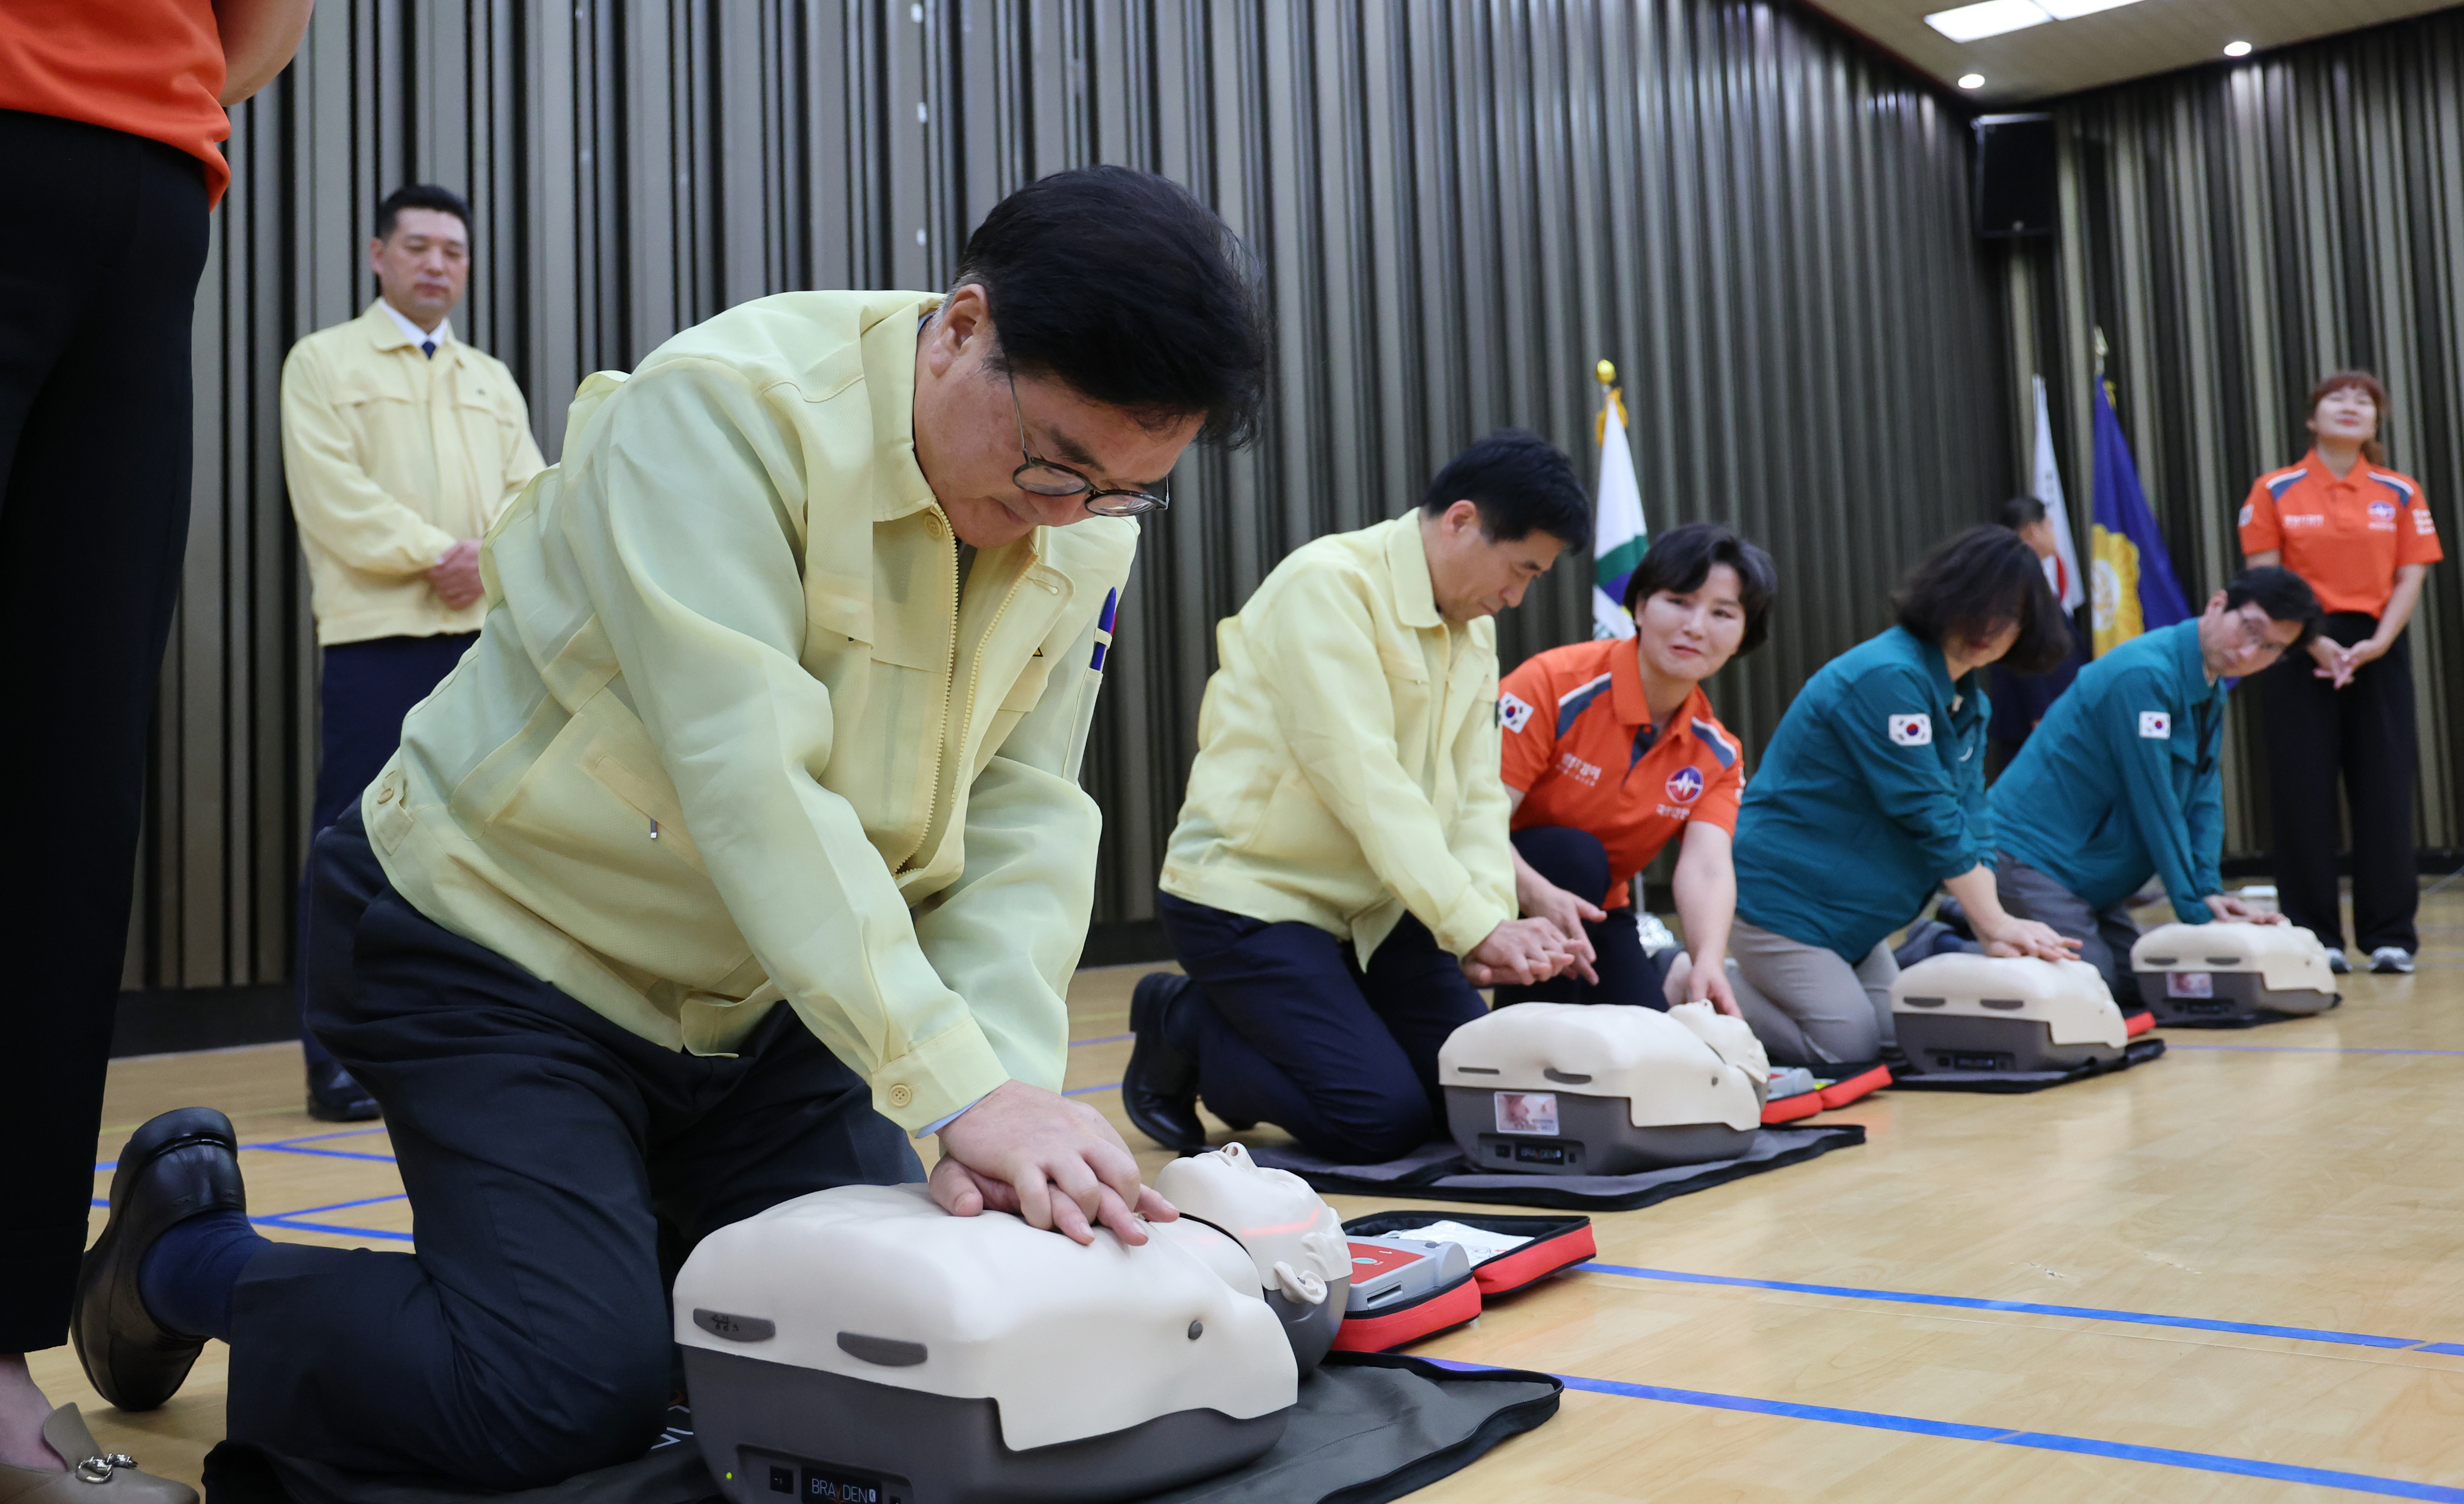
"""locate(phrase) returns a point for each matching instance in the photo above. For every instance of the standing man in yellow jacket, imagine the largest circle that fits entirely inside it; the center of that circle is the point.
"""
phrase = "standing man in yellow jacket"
(1340, 880)
(746, 843)
(401, 443)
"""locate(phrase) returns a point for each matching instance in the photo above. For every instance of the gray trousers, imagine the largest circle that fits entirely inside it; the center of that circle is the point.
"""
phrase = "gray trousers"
(1807, 1005)
(2106, 935)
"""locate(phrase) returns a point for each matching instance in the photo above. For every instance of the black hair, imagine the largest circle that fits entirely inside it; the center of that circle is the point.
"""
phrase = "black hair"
(420, 195)
(1679, 560)
(1979, 582)
(2023, 513)
(2283, 594)
(1521, 483)
(1126, 288)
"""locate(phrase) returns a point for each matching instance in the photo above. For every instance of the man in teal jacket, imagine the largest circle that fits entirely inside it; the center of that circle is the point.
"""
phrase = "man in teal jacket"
(2122, 779)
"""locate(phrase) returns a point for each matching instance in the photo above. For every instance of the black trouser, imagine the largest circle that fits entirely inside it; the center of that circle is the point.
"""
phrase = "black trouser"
(366, 689)
(97, 289)
(2363, 733)
(1576, 860)
(551, 1158)
(1296, 1033)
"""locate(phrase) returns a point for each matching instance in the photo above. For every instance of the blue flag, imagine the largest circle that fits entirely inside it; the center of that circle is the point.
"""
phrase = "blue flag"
(2131, 588)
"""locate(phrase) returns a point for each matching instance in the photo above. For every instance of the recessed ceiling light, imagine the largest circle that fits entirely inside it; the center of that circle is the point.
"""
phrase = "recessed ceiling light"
(1971, 80)
(2237, 49)
(1971, 23)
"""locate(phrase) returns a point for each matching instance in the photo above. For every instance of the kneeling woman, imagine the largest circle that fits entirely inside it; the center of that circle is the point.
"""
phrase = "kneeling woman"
(1612, 751)
(1873, 792)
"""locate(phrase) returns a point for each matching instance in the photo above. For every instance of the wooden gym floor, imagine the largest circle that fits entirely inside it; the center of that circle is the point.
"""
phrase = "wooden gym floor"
(2236, 1274)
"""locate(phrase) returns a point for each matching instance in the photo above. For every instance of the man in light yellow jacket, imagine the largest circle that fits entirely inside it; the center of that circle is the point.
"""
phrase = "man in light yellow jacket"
(400, 445)
(1340, 878)
(746, 843)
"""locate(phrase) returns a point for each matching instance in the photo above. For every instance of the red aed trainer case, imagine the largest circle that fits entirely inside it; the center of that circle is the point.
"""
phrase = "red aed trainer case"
(1550, 1243)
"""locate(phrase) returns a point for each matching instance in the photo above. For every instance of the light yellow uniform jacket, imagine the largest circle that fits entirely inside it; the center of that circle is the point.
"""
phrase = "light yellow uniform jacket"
(1348, 757)
(729, 737)
(392, 458)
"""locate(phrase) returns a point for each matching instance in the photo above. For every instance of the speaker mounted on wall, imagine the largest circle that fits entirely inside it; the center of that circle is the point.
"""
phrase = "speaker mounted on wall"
(2017, 191)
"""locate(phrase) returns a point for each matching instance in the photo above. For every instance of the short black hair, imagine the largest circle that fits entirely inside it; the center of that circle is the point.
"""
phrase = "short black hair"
(1521, 483)
(420, 195)
(2023, 513)
(2283, 594)
(1679, 560)
(1977, 582)
(1129, 291)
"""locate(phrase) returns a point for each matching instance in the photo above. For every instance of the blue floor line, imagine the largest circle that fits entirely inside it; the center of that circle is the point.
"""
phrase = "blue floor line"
(2040, 1441)
(322, 1154)
(2172, 1043)
(338, 1206)
(1089, 1091)
(2305, 1334)
(1110, 1039)
(288, 1225)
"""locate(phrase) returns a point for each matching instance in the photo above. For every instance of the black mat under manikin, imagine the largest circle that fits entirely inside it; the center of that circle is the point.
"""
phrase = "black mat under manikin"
(2138, 1051)
(1437, 1172)
(1370, 1426)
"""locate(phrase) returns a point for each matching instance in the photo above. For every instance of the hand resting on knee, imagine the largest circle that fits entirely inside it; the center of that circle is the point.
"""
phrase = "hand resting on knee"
(1054, 1161)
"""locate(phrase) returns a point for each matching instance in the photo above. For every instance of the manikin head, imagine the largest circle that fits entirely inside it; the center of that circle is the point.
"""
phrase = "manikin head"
(1700, 595)
(2264, 614)
(2026, 517)
(421, 253)
(2345, 409)
(1494, 520)
(1981, 597)
(1101, 318)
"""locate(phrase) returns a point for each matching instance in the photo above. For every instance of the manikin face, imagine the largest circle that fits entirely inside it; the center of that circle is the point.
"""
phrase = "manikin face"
(1472, 575)
(423, 267)
(2237, 642)
(967, 433)
(1692, 636)
(2346, 414)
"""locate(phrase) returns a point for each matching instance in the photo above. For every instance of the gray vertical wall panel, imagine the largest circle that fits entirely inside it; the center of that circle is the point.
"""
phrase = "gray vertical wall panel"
(2237, 231)
(1460, 205)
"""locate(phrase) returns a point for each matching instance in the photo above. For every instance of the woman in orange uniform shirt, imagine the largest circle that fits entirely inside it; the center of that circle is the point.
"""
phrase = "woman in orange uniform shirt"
(1612, 751)
(2362, 536)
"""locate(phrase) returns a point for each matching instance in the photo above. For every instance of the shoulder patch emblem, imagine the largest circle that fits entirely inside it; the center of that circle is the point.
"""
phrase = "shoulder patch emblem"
(1911, 730)
(2156, 726)
(1512, 713)
(1685, 784)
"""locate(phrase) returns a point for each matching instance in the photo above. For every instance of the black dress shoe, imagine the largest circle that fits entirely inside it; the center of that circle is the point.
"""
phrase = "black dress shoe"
(174, 1168)
(1159, 1090)
(336, 1096)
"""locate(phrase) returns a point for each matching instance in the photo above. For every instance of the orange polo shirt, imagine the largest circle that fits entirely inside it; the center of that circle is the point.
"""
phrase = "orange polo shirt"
(1580, 746)
(151, 68)
(2347, 538)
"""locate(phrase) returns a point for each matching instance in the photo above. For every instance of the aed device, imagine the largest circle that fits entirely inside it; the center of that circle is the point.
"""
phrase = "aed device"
(863, 1345)
(1404, 1288)
(2229, 972)
(1570, 1089)
(1977, 1012)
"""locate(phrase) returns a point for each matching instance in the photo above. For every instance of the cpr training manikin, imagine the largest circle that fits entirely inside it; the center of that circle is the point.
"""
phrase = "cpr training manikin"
(1566, 1089)
(2229, 972)
(2011, 1013)
(863, 1339)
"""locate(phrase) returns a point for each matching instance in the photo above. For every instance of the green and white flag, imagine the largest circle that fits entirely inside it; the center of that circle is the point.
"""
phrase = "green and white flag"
(1618, 536)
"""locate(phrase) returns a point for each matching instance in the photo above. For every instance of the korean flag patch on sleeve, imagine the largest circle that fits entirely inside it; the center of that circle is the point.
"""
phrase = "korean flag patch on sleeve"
(2156, 726)
(1911, 730)
(1512, 713)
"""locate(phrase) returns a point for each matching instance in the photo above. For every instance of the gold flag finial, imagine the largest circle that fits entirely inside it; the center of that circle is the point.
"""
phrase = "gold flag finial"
(1606, 371)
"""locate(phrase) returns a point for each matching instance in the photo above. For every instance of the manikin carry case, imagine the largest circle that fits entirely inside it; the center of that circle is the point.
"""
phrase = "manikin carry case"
(2230, 975)
(1961, 1014)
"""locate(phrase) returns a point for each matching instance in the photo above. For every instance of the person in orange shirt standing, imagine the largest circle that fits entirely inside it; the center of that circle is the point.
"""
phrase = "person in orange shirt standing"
(1611, 752)
(2362, 536)
(109, 115)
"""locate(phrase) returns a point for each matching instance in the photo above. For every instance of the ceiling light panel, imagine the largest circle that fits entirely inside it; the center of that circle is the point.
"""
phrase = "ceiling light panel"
(1971, 23)
(2071, 9)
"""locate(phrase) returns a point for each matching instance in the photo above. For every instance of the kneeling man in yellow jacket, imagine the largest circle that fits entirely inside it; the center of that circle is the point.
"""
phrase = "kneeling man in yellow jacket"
(1340, 878)
(746, 843)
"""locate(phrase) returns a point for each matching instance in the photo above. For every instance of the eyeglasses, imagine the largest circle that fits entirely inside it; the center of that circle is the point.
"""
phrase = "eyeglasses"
(2252, 623)
(1040, 477)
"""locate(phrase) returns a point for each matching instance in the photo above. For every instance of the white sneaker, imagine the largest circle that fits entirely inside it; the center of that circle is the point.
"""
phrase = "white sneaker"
(2337, 963)
(2392, 960)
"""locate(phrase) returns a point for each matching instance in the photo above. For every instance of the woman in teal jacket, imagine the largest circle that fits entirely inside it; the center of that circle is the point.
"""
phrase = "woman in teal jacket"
(1871, 794)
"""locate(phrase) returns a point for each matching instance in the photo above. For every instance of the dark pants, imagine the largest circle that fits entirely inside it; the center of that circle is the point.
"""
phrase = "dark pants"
(551, 1159)
(1576, 860)
(2106, 935)
(1294, 1031)
(369, 687)
(97, 289)
(2363, 733)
